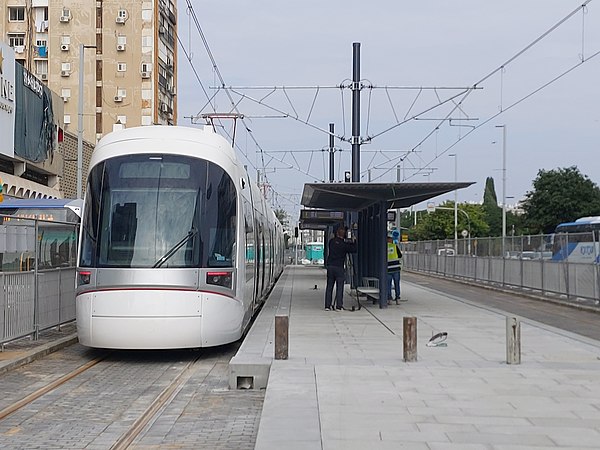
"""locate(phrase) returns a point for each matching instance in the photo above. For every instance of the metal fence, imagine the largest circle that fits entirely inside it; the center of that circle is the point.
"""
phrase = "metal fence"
(549, 265)
(37, 277)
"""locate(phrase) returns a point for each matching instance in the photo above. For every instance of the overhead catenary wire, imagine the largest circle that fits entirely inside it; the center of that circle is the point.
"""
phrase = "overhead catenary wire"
(218, 73)
(286, 114)
(462, 97)
(209, 98)
(512, 105)
(500, 69)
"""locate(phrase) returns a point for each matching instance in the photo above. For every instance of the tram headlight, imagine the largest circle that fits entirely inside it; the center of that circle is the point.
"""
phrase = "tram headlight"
(83, 277)
(224, 279)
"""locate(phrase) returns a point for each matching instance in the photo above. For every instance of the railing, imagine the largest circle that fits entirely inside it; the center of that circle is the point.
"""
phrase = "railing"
(536, 264)
(37, 280)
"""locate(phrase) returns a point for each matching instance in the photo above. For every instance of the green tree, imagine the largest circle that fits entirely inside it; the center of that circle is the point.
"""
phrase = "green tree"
(514, 224)
(560, 195)
(282, 216)
(440, 224)
(435, 225)
(406, 219)
(493, 212)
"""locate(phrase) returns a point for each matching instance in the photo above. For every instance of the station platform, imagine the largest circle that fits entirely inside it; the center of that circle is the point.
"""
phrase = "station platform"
(345, 384)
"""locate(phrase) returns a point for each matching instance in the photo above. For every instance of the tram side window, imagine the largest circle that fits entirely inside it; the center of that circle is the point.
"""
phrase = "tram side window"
(221, 254)
(249, 231)
(90, 219)
(223, 225)
(123, 229)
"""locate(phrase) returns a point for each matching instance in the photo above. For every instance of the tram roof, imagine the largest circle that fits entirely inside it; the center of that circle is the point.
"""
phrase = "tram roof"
(358, 196)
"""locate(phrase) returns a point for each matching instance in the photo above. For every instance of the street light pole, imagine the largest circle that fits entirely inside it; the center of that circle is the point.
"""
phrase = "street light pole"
(80, 121)
(455, 156)
(503, 187)
(398, 223)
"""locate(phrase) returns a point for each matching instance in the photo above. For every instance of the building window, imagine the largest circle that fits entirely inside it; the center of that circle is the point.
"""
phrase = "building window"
(162, 75)
(16, 39)
(121, 67)
(41, 42)
(65, 67)
(41, 66)
(16, 13)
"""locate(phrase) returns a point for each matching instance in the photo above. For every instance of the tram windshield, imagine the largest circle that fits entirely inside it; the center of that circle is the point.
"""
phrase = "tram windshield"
(144, 211)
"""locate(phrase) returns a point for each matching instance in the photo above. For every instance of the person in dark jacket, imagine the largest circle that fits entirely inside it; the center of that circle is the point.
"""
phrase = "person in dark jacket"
(338, 248)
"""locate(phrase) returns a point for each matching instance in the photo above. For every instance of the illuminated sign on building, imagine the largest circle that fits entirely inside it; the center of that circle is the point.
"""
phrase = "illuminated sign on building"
(7, 99)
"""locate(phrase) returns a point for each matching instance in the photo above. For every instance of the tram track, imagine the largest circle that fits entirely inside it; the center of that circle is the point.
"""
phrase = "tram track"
(16, 406)
(156, 407)
(148, 397)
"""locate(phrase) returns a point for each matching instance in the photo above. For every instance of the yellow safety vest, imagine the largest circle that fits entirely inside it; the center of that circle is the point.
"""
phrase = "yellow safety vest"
(394, 264)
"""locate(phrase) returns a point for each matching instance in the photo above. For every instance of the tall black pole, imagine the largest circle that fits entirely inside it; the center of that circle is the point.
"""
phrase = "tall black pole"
(381, 222)
(356, 112)
(331, 151)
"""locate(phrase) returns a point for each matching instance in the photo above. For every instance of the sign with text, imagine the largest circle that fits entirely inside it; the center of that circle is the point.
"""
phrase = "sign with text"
(321, 214)
(7, 99)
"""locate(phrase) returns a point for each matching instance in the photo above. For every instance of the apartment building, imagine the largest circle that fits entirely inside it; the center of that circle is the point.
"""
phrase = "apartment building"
(128, 60)
(31, 164)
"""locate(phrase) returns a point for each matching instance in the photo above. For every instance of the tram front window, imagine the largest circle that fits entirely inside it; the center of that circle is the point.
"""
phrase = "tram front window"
(164, 211)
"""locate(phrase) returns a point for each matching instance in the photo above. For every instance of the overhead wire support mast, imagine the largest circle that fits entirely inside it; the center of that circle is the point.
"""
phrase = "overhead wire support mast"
(342, 86)
(233, 116)
(285, 114)
(275, 88)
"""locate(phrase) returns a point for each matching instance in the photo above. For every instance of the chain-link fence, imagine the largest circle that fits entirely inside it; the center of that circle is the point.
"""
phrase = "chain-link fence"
(37, 278)
(559, 265)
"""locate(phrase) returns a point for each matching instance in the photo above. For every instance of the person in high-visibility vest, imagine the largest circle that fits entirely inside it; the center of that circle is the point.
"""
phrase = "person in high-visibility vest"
(394, 266)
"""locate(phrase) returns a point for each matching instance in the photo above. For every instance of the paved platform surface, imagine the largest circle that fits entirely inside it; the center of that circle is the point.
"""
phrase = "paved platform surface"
(20, 352)
(345, 385)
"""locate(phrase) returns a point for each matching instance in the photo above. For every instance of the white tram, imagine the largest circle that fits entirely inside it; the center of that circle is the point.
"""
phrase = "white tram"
(178, 247)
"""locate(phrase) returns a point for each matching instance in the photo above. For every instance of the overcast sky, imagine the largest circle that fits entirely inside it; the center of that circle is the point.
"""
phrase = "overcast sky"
(428, 44)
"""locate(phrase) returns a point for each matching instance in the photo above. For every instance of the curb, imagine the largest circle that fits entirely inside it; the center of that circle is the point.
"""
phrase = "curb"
(38, 353)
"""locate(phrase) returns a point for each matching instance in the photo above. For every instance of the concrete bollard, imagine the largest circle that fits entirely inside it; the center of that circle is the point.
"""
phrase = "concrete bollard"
(281, 337)
(513, 341)
(409, 338)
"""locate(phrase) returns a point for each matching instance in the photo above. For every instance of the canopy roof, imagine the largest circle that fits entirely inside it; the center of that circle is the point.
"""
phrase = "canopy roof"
(357, 196)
